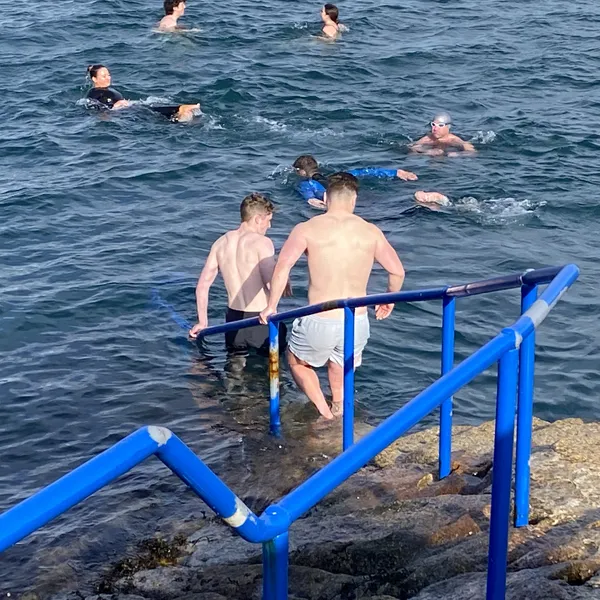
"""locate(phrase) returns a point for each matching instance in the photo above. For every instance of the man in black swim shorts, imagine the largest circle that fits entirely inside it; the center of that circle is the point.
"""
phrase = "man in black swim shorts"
(246, 259)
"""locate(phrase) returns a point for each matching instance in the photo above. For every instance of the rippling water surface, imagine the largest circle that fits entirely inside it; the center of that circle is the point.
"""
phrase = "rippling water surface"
(99, 209)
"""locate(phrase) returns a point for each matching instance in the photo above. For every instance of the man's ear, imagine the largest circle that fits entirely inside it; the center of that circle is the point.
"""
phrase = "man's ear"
(325, 197)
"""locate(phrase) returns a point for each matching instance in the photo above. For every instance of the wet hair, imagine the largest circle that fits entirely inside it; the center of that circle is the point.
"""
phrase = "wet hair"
(331, 10)
(92, 70)
(341, 182)
(307, 163)
(255, 204)
(171, 5)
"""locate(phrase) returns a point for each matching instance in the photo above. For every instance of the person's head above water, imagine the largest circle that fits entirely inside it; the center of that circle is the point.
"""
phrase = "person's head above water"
(100, 75)
(440, 124)
(342, 190)
(174, 7)
(331, 11)
(257, 211)
(306, 165)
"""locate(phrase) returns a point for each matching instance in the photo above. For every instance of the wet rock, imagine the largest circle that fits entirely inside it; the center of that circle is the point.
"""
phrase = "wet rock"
(394, 531)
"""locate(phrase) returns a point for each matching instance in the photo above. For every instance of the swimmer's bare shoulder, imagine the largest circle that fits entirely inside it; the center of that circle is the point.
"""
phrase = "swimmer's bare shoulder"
(167, 24)
(330, 31)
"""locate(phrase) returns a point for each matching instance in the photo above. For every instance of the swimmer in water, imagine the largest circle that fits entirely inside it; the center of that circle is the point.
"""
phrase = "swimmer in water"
(329, 16)
(432, 200)
(173, 10)
(312, 186)
(440, 141)
(108, 97)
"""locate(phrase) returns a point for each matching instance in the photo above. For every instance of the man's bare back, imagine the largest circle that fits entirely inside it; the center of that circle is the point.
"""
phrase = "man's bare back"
(341, 249)
(246, 259)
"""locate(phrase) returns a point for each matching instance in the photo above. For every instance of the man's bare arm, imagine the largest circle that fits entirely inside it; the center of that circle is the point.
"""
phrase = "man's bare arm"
(292, 250)
(266, 265)
(206, 279)
(388, 258)
(421, 145)
(468, 147)
(266, 261)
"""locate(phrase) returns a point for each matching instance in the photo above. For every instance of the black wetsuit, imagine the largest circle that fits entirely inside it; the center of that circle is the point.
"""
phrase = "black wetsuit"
(106, 96)
(250, 337)
(109, 97)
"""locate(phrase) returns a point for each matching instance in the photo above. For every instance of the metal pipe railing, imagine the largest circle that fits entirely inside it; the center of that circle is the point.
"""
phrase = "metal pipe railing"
(511, 345)
(446, 294)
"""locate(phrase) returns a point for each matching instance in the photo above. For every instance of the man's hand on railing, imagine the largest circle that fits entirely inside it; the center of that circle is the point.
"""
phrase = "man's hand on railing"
(265, 314)
(383, 311)
(196, 329)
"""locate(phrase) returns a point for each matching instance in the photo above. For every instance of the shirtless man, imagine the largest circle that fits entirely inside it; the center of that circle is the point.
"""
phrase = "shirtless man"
(173, 10)
(440, 141)
(246, 259)
(341, 249)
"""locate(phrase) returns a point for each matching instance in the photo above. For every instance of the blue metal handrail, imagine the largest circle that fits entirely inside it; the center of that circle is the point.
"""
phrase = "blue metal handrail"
(527, 281)
(271, 528)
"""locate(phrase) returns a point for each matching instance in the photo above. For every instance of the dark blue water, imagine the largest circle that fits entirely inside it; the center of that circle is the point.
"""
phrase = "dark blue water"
(97, 209)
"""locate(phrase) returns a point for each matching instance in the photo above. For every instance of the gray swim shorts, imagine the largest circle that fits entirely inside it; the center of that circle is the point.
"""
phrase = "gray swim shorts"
(315, 340)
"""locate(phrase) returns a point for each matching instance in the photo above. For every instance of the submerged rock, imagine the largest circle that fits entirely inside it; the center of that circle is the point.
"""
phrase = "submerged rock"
(394, 531)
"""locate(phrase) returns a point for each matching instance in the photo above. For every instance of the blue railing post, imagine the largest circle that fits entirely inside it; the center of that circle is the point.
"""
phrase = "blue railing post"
(525, 414)
(502, 475)
(275, 568)
(348, 418)
(275, 418)
(445, 450)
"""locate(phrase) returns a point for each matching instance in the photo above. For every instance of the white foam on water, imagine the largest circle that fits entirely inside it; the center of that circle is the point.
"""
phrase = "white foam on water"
(498, 210)
(270, 123)
(484, 137)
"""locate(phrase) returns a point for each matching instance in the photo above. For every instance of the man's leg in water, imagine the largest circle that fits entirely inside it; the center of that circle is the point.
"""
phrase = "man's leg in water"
(336, 382)
(308, 381)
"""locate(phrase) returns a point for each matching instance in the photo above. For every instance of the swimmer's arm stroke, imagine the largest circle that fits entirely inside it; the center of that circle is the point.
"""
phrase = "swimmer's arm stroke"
(388, 258)
(206, 279)
(380, 173)
(292, 250)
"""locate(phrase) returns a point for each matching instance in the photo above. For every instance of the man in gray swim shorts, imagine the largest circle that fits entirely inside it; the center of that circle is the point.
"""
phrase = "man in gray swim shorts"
(341, 249)
(318, 339)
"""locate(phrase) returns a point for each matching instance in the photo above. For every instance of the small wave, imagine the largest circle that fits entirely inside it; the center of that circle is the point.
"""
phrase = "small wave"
(484, 137)
(497, 210)
(343, 28)
(270, 123)
(282, 172)
(300, 26)
(177, 31)
(212, 122)
(150, 100)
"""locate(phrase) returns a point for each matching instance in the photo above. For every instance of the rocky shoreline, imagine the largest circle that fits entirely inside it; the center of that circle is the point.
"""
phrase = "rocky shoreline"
(393, 531)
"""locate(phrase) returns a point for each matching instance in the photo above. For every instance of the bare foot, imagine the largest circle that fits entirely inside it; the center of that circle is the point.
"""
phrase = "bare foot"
(186, 112)
(337, 409)
(323, 409)
(431, 198)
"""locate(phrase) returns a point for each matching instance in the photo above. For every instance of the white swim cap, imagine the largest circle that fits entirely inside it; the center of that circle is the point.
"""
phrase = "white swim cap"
(443, 118)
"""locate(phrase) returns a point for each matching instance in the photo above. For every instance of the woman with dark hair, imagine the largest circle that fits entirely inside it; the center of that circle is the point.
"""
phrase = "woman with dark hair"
(108, 97)
(329, 16)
